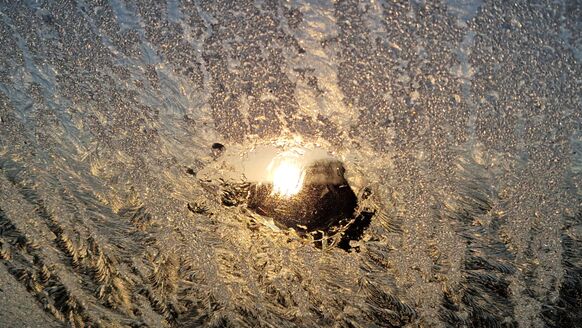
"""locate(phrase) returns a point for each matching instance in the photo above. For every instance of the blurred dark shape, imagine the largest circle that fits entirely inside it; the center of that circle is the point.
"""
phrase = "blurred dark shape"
(355, 230)
(217, 149)
(197, 208)
(47, 18)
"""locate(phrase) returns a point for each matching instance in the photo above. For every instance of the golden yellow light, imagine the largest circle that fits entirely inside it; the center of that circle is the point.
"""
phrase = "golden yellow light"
(287, 175)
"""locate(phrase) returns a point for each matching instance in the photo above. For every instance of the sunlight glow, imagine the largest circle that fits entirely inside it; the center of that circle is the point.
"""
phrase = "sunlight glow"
(287, 175)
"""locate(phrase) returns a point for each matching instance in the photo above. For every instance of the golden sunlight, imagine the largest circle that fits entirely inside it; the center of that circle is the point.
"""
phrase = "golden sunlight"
(287, 175)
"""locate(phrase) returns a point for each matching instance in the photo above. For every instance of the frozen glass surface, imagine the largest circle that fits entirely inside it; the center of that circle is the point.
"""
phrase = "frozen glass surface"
(460, 119)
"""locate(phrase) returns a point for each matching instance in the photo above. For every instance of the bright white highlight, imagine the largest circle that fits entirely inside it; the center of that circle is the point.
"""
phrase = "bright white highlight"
(287, 175)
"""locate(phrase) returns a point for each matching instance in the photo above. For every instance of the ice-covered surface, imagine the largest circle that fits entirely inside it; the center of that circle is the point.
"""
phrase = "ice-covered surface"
(463, 118)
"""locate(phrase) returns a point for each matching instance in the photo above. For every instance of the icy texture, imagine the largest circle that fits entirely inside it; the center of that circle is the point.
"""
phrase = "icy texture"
(462, 117)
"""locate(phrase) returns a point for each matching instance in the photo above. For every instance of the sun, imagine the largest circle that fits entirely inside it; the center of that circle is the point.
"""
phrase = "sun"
(287, 176)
